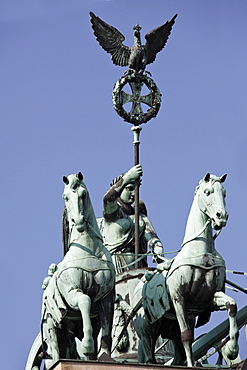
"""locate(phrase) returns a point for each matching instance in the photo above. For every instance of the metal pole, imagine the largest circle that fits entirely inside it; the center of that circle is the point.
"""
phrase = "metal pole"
(136, 131)
(244, 290)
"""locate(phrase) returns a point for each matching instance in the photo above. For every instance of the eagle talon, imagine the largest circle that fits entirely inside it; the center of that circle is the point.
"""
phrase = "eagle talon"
(129, 71)
(145, 73)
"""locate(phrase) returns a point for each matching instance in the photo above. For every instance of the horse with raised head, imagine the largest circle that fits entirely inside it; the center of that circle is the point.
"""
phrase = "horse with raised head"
(193, 285)
(78, 301)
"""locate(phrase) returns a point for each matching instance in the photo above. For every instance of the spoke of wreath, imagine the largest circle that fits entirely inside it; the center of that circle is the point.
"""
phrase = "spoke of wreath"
(136, 98)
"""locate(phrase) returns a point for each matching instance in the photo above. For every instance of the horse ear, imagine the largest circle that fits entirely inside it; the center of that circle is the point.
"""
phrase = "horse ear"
(66, 180)
(207, 177)
(80, 176)
(223, 177)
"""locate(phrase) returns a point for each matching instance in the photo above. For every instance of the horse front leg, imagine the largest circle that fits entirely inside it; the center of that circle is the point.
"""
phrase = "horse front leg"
(106, 311)
(80, 301)
(222, 301)
(187, 334)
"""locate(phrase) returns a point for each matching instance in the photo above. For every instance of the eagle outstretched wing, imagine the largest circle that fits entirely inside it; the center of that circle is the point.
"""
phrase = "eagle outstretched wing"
(157, 38)
(111, 41)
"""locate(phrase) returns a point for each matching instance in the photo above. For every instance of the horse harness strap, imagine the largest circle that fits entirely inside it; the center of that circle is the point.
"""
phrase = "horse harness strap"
(214, 262)
(100, 265)
(201, 266)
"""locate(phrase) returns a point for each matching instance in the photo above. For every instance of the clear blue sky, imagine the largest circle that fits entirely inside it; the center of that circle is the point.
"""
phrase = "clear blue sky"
(57, 118)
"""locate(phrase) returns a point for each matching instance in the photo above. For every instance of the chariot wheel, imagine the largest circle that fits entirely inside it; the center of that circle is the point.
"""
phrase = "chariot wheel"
(35, 355)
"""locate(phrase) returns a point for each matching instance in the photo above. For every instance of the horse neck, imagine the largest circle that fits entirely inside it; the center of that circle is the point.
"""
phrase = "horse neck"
(196, 232)
(91, 219)
(90, 238)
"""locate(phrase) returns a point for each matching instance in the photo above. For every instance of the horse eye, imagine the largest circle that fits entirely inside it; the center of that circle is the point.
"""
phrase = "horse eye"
(207, 192)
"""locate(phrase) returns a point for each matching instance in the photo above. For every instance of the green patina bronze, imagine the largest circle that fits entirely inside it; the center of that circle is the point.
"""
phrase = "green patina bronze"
(137, 56)
(136, 115)
(78, 299)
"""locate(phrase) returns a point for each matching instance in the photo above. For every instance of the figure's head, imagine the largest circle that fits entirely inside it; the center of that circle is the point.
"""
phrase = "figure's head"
(137, 31)
(128, 193)
(52, 268)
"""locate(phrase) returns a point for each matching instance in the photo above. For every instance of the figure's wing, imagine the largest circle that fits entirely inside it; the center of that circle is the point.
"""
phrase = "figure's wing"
(142, 208)
(157, 38)
(111, 40)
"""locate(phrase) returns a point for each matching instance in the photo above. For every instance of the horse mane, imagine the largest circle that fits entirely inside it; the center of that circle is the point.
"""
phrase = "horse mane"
(65, 231)
(89, 210)
(142, 208)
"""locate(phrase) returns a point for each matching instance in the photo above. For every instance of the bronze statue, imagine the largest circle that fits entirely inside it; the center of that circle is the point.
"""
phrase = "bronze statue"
(117, 225)
(137, 56)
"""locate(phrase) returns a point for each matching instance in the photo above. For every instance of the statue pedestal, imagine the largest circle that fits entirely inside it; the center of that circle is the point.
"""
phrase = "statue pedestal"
(105, 365)
(97, 365)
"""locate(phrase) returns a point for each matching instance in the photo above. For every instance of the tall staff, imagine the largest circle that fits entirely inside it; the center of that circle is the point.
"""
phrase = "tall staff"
(136, 58)
(136, 130)
(136, 116)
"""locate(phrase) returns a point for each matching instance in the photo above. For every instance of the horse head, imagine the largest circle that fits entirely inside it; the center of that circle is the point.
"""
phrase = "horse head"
(211, 200)
(75, 194)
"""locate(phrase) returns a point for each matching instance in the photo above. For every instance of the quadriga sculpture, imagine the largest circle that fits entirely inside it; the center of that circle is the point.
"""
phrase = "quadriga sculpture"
(192, 286)
(79, 297)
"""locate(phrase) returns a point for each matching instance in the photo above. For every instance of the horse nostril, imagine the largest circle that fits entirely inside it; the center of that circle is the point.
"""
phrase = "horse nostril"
(73, 220)
(218, 215)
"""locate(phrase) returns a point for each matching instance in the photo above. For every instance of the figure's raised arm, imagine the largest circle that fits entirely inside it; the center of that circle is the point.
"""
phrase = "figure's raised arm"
(133, 174)
(117, 186)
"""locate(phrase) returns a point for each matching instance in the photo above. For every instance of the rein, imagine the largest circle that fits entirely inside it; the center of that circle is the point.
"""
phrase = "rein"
(90, 227)
(203, 229)
(195, 237)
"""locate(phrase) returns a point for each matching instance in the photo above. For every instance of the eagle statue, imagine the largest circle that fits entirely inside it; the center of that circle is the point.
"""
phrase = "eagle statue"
(137, 56)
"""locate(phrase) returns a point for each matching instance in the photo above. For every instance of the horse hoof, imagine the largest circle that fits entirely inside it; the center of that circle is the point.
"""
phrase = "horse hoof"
(151, 361)
(90, 357)
(88, 348)
(231, 351)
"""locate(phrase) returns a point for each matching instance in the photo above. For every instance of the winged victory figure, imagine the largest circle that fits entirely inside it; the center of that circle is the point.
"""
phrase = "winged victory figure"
(137, 56)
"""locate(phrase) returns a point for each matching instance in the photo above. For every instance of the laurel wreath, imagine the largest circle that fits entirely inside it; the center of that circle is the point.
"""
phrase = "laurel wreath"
(118, 104)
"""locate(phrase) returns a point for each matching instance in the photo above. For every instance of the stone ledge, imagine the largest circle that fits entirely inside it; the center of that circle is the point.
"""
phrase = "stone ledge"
(112, 365)
(98, 365)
